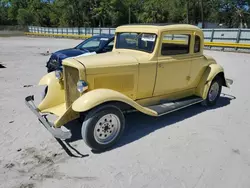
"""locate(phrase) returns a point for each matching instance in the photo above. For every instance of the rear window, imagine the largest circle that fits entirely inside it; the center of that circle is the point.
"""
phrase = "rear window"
(175, 44)
(197, 44)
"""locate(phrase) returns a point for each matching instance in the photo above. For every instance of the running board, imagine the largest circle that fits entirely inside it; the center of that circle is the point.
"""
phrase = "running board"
(169, 107)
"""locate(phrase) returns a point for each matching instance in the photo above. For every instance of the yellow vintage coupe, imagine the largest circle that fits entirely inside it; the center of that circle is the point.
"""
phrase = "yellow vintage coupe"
(154, 69)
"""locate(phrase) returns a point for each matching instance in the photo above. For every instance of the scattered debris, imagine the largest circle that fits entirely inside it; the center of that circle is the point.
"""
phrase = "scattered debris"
(237, 151)
(9, 165)
(46, 53)
(55, 154)
(27, 85)
(11, 121)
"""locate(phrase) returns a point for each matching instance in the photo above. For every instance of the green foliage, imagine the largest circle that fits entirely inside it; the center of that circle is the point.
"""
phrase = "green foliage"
(3, 12)
(112, 13)
(24, 17)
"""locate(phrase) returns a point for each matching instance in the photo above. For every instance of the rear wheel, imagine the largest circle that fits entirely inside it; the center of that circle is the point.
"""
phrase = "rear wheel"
(103, 127)
(213, 92)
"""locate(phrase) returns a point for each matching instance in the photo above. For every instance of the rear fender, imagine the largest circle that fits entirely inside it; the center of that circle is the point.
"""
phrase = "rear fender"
(210, 73)
(55, 94)
(97, 97)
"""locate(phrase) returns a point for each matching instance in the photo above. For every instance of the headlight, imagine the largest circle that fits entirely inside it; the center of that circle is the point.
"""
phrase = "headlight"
(58, 74)
(82, 86)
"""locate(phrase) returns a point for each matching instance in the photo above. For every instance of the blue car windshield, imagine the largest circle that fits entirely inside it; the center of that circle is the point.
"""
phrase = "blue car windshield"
(136, 41)
(93, 44)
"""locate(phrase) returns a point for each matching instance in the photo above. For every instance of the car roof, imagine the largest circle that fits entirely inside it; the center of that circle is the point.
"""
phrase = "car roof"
(157, 28)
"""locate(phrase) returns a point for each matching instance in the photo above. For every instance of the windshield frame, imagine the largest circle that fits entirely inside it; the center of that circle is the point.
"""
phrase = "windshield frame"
(79, 46)
(139, 34)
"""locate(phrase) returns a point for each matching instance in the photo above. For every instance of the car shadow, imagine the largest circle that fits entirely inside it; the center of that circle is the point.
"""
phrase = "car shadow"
(139, 125)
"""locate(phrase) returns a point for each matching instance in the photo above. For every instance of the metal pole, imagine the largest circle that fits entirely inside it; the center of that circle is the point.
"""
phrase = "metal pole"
(212, 37)
(238, 38)
(129, 15)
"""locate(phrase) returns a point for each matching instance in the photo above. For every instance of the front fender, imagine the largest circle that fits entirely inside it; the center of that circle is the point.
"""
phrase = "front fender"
(207, 78)
(55, 94)
(96, 97)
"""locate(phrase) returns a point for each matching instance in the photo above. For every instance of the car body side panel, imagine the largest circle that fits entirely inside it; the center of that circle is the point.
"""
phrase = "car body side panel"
(96, 97)
(124, 82)
(198, 66)
(207, 78)
(172, 74)
(146, 79)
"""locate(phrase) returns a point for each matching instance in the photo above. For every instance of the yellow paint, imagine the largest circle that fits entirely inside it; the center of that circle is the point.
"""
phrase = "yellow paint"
(133, 77)
(73, 62)
(68, 116)
(154, 100)
(99, 96)
(55, 95)
(211, 71)
(228, 44)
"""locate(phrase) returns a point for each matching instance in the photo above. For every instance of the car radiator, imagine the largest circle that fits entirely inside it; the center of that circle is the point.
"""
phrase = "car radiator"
(71, 77)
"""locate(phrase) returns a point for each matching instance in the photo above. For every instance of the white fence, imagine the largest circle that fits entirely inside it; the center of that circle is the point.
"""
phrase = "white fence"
(211, 35)
(76, 31)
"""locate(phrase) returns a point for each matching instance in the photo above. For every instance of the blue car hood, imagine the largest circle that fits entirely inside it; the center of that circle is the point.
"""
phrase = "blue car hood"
(63, 54)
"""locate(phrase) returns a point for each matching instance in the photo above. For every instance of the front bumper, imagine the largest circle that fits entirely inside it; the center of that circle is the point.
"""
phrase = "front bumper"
(56, 132)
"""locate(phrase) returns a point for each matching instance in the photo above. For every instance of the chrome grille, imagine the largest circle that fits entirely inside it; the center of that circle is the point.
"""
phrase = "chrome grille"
(71, 77)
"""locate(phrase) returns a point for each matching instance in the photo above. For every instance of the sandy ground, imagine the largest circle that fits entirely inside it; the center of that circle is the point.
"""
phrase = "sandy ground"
(192, 148)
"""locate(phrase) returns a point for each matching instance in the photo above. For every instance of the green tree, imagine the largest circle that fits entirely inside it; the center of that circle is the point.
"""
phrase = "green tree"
(24, 17)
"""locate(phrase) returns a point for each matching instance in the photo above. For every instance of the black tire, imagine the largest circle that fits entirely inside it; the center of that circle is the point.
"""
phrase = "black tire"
(88, 127)
(208, 101)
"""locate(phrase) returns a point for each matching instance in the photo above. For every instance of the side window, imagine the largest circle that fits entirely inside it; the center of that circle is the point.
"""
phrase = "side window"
(109, 46)
(93, 43)
(175, 44)
(197, 44)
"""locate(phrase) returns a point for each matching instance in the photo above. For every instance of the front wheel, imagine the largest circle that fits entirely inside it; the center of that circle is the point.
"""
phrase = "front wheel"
(103, 127)
(213, 92)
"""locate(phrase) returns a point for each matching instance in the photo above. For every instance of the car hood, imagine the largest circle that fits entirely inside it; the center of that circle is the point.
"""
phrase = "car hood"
(62, 54)
(111, 61)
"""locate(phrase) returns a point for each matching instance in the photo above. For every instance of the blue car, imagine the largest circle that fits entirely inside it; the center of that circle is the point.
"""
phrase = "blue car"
(94, 45)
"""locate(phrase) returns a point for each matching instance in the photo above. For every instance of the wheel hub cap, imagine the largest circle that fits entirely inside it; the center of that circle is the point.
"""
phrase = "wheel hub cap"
(214, 91)
(107, 128)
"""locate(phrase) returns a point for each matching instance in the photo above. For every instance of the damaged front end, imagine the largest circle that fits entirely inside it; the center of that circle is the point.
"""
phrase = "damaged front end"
(61, 92)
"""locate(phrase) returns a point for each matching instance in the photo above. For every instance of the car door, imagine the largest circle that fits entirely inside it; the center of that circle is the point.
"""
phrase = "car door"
(173, 63)
(199, 62)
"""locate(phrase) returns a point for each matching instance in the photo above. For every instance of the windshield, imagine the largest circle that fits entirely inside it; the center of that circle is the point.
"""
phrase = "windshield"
(93, 44)
(136, 41)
